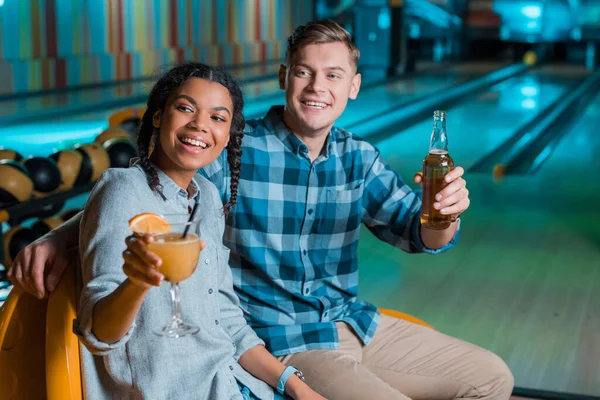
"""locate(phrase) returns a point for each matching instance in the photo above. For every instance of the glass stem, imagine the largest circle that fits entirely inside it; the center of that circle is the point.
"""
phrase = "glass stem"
(175, 302)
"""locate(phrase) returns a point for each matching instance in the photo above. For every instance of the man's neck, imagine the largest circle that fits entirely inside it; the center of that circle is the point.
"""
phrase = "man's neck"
(313, 140)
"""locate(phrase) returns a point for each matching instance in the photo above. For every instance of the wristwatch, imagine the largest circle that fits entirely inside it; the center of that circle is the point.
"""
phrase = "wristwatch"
(289, 371)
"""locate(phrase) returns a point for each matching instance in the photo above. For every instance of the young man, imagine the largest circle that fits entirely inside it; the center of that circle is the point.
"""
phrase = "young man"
(304, 190)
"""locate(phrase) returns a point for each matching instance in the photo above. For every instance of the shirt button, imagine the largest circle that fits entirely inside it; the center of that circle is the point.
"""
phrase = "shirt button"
(231, 367)
(207, 261)
(306, 290)
(304, 251)
(216, 322)
(210, 291)
(183, 192)
(310, 211)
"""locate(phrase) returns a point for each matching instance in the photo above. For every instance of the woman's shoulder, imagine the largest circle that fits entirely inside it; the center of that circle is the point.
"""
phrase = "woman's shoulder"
(131, 179)
(119, 187)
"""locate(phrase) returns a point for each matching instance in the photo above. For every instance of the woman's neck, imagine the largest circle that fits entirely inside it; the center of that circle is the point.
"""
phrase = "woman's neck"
(180, 176)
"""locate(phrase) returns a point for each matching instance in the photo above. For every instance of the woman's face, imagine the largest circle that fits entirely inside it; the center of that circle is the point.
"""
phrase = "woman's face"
(194, 126)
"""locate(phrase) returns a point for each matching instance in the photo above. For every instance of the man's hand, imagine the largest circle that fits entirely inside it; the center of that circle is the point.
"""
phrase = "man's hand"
(45, 257)
(454, 198)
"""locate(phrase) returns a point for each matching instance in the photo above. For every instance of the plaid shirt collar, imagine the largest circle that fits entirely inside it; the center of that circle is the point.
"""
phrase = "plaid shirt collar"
(274, 123)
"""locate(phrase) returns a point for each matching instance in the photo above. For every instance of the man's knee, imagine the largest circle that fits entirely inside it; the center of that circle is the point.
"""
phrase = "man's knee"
(498, 380)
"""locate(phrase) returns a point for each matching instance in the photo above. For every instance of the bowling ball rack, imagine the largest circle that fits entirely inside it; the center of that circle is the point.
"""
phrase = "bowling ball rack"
(38, 208)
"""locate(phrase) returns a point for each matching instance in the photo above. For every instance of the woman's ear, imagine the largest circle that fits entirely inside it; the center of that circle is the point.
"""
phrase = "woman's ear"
(156, 119)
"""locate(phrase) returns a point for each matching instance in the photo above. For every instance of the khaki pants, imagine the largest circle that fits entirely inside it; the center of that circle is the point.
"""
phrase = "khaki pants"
(404, 361)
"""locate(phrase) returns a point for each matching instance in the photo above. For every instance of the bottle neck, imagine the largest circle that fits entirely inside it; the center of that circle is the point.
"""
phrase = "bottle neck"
(439, 141)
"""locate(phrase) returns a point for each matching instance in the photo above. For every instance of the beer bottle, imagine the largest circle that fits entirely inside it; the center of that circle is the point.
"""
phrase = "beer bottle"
(435, 167)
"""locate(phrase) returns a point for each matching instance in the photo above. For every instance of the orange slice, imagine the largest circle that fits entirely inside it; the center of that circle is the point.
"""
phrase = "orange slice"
(149, 223)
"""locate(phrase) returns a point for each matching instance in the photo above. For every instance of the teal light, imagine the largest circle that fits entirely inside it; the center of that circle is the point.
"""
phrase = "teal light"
(528, 104)
(529, 91)
(532, 12)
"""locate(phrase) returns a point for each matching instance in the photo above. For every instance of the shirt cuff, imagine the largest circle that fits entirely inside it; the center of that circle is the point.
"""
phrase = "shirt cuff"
(82, 327)
(424, 249)
(244, 340)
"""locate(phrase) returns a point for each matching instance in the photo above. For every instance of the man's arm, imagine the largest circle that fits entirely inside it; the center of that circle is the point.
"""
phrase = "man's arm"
(47, 256)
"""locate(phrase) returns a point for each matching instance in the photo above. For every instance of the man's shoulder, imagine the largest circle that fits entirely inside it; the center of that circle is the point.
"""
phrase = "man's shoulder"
(254, 127)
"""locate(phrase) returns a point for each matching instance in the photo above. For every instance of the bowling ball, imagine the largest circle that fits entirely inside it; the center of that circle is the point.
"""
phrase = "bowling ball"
(71, 167)
(15, 240)
(127, 119)
(95, 160)
(15, 183)
(43, 226)
(114, 132)
(120, 152)
(7, 154)
(130, 126)
(45, 175)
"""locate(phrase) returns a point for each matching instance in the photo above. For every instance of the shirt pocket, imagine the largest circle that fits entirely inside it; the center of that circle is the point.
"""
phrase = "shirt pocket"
(343, 211)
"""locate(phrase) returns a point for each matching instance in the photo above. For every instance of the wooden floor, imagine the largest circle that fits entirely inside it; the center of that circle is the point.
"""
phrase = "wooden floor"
(524, 280)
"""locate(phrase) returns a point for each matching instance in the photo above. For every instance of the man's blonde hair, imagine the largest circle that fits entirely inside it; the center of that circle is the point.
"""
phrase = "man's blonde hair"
(320, 32)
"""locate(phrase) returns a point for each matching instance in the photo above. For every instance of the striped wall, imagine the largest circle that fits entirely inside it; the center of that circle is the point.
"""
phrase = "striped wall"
(46, 44)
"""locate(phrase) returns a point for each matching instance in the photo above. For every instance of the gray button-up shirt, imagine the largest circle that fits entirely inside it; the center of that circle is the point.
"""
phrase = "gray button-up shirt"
(141, 364)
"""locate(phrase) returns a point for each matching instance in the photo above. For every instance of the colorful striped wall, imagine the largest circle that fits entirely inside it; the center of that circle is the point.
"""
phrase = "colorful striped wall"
(47, 44)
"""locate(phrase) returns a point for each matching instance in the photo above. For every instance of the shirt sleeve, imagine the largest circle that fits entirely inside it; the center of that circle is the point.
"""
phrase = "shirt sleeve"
(103, 229)
(392, 210)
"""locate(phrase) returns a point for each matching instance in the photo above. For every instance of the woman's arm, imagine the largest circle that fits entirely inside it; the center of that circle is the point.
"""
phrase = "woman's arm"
(115, 313)
(260, 363)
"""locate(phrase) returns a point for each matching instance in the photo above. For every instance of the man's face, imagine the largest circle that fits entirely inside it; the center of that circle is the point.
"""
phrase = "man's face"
(318, 83)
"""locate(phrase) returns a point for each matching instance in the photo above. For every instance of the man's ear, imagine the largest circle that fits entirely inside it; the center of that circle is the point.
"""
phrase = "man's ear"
(355, 86)
(156, 119)
(282, 74)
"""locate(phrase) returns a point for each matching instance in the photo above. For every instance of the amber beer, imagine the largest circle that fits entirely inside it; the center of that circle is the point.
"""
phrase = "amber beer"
(435, 167)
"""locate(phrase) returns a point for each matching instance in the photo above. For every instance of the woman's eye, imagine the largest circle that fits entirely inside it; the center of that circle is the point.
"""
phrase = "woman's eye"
(185, 109)
(218, 118)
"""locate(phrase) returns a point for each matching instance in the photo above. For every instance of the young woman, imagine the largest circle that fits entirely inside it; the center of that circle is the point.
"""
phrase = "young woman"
(193, 112)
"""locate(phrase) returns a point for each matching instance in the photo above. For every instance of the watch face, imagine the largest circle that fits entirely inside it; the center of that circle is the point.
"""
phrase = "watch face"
(300, 375)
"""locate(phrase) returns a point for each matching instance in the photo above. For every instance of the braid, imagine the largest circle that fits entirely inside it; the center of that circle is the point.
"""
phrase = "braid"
(234, 156)
(236, 134)
(144, 137)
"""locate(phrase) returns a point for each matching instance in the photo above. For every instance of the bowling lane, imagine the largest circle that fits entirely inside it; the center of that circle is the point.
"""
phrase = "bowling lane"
(375, 100)
(45, 137)
(65, 131)
(477, 126)
(568, 173)
(577, 151)
(13, 110)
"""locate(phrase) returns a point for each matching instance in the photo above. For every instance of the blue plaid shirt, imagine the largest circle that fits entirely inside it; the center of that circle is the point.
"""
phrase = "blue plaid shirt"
(294, 232)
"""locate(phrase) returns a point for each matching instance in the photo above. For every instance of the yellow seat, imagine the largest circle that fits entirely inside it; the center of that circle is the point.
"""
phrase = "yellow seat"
(39, 354)
(404, 316)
